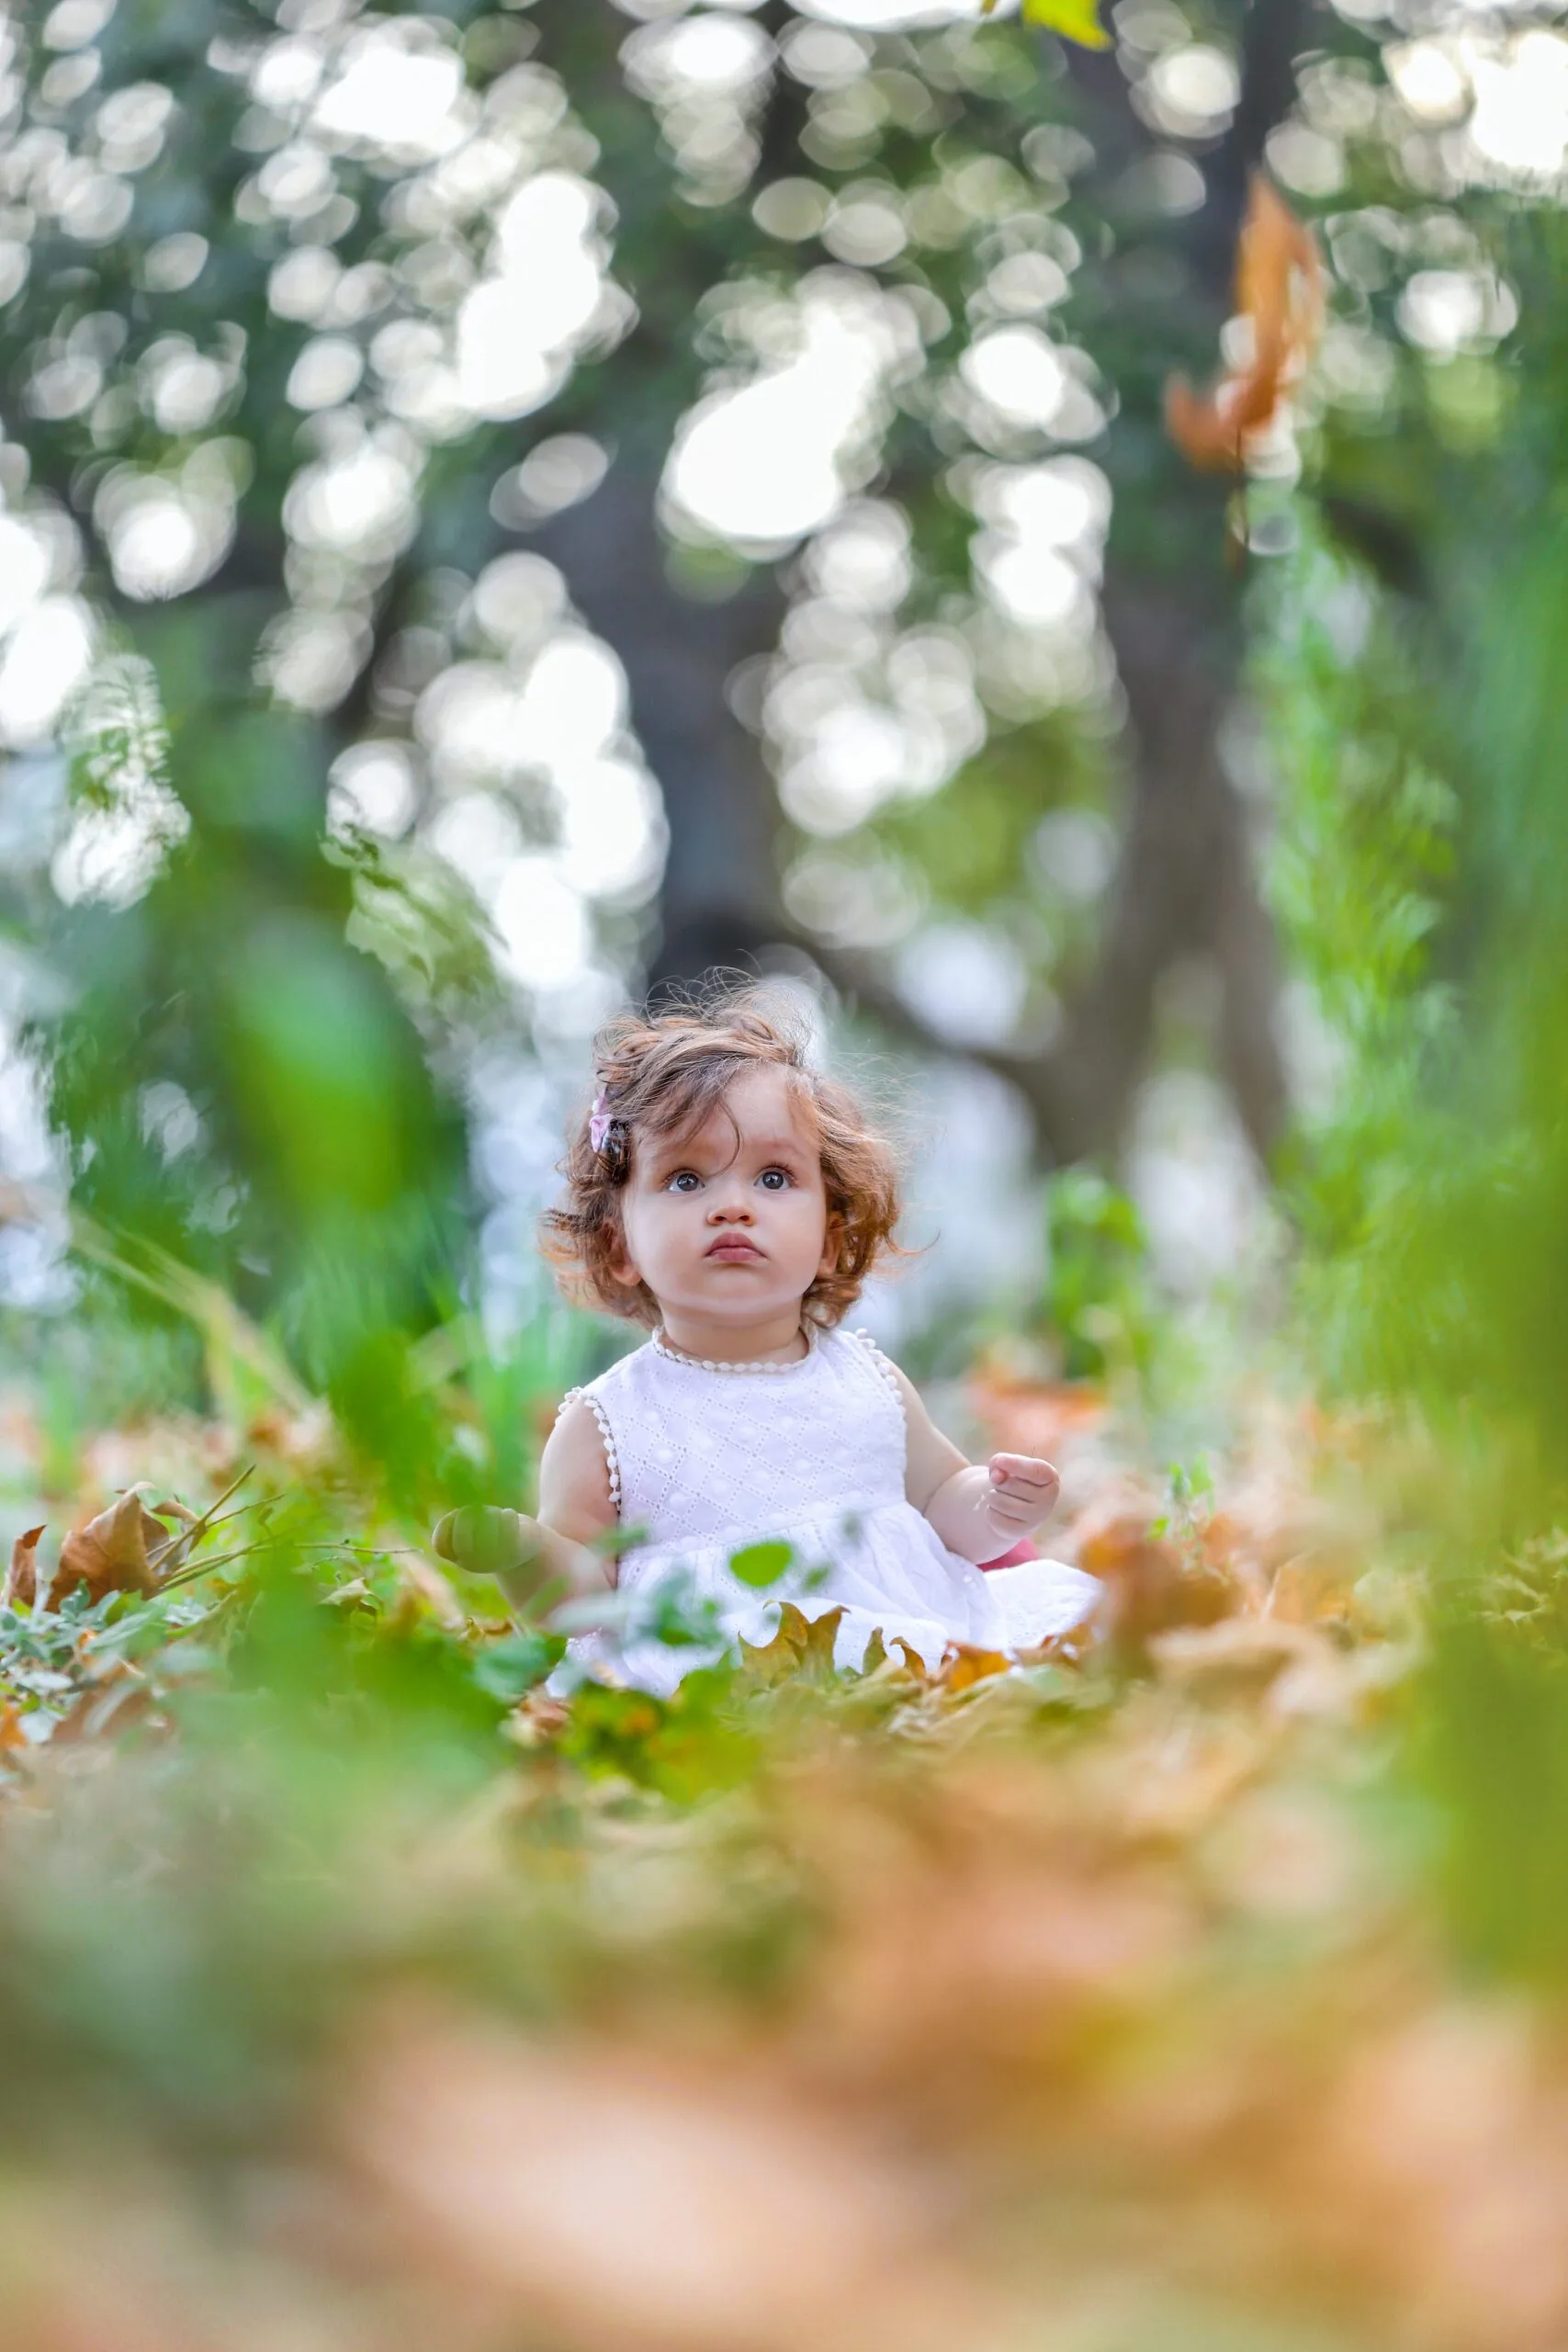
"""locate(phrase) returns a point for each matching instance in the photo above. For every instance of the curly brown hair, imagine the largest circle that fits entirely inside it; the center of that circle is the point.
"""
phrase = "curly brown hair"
(661, 1072)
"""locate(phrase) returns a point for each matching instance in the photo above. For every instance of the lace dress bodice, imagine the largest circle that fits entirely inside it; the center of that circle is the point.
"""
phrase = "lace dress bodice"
(707, 1463)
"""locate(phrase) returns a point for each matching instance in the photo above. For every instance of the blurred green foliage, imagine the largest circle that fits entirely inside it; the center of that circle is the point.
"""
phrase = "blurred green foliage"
(1424, 830)
(1492, 1748)
(1417, 717)
(1098, 1304)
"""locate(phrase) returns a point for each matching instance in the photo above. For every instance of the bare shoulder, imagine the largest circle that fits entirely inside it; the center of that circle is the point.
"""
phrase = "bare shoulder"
(575, 1495)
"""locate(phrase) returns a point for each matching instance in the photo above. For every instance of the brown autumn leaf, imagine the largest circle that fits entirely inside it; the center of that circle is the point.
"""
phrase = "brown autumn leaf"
(802, 1645)
(110, 1552)
(821, 1632)
(1151, 1589)
(768, 1662)
(22, 1578)
(1313, 1588)
(1238, 1657)
(1278, 294)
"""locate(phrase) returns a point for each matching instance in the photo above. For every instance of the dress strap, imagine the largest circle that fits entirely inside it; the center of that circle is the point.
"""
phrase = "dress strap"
(607, 1435)
(879, 1363)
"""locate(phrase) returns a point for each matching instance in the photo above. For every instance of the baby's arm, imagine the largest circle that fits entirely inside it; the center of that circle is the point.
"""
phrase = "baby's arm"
(544, 1560)
(980, 1512)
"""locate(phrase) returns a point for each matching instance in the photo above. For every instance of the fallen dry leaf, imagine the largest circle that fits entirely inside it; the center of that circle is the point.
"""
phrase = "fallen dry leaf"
(1236, 1656)
(965, 1664)
(802, 1645)
(1279, 299)
(768, 1662)
(22, 1578)
(1150, 1588)
(110, 1552)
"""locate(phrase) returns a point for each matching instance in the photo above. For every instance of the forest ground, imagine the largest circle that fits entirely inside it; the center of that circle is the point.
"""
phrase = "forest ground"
(358, 1993)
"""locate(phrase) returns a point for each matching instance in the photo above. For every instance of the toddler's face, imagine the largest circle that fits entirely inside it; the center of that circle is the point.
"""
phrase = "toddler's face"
(727, 1227)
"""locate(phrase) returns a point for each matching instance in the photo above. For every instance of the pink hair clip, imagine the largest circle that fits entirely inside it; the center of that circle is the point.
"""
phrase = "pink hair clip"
(599, 1124)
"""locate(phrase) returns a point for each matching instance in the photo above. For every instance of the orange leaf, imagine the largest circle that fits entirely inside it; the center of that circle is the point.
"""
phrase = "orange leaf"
(109, 1554)
(21, 1581)
(1278, 294)
(967, 1665)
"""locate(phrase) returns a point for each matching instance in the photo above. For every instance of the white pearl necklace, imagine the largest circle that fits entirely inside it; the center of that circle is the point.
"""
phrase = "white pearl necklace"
(708, 1363)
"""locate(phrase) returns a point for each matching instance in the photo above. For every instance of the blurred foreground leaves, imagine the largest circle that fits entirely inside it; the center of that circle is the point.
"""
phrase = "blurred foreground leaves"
(364, 1992)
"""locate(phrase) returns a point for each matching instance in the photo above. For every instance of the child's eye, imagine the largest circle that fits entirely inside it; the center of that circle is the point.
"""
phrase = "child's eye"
(775, 1179)
(685, 1180)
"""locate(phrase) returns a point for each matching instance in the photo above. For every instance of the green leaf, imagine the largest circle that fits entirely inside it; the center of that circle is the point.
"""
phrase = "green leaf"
(1074, 19)
(759, 1564)
(510, 1667)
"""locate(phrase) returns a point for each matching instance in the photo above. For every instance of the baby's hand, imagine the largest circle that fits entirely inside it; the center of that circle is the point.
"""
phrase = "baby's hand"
(533, 1564)
(1023, 1494)
(488, 1541)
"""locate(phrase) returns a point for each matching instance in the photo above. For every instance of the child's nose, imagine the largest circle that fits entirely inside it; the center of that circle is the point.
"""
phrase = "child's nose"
(730, 1208)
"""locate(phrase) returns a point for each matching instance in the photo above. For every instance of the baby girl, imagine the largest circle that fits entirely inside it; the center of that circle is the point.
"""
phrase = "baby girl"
(733, 1201)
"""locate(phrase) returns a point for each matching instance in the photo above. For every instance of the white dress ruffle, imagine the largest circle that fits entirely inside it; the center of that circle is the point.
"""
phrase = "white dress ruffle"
(812, 1453)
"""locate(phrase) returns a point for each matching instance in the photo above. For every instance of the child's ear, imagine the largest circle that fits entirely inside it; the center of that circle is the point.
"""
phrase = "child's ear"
(622, 1267)
(833, 1244)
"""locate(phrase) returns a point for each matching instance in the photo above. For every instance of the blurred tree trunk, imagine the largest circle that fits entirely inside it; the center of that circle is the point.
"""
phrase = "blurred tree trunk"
(719, 905)
(1185, 890)
(719, 902)
(1186, 885)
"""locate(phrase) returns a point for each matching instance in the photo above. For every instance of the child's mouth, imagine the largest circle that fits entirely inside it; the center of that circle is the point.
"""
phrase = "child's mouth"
(734, 1248)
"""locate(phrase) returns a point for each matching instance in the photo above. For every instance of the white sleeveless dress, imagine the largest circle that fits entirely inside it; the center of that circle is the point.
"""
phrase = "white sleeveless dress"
(812, 1452)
